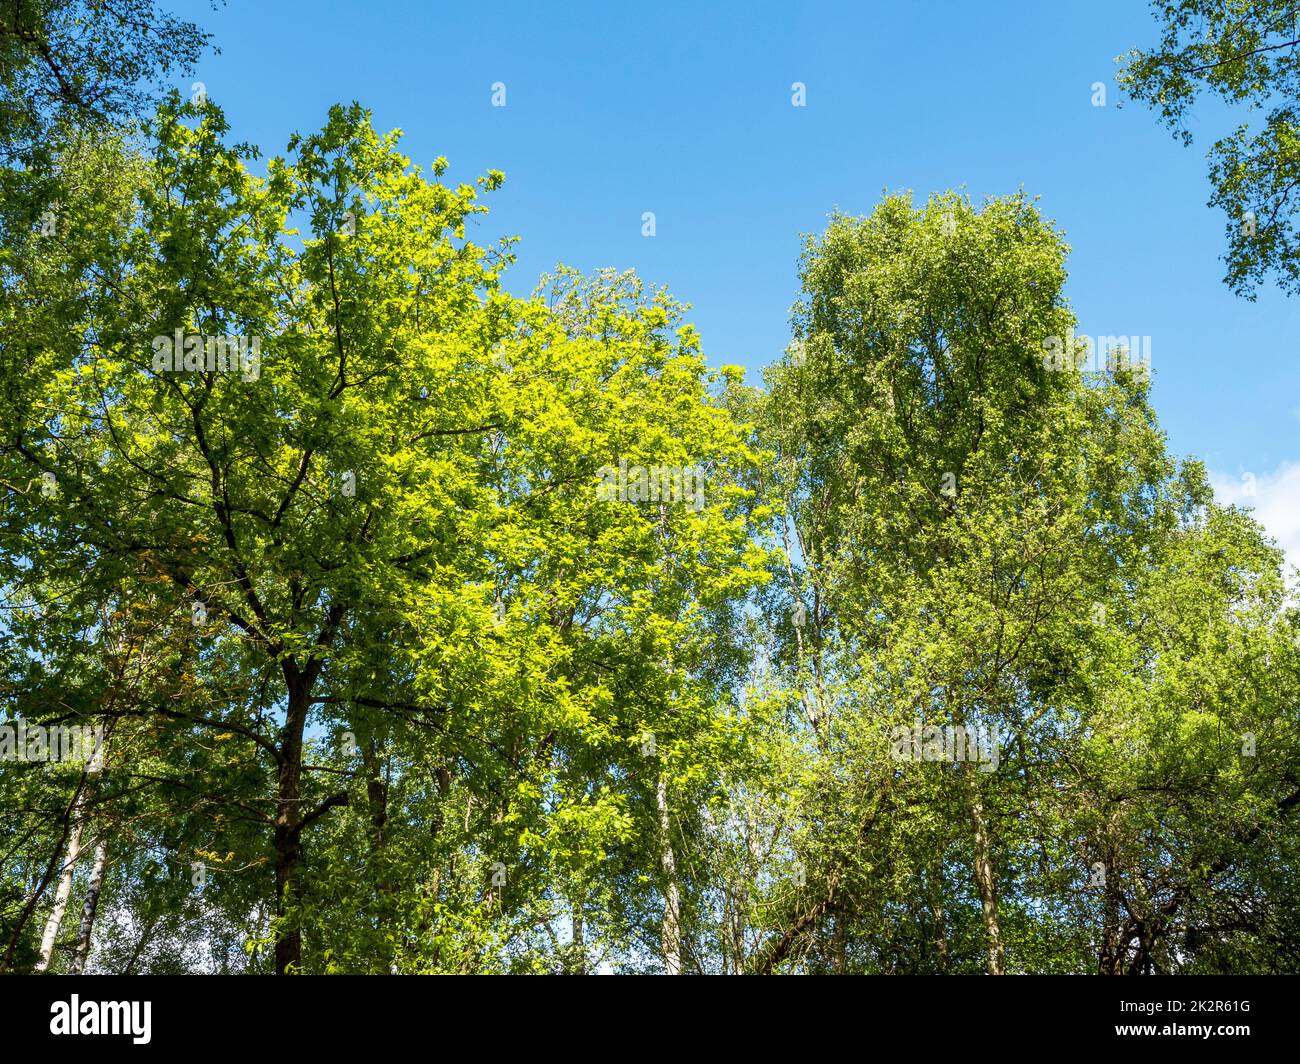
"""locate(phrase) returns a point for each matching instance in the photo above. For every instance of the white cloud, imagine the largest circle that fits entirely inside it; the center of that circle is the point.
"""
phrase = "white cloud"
(1276, 502)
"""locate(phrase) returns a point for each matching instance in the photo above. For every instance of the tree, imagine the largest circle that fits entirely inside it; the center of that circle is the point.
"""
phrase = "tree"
(1247, 54)
(69, 64)
(359, 494)
(162, 461)
(974, 525)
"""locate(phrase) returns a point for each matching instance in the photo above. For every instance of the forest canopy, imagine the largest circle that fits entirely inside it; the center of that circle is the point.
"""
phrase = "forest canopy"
(360, 616)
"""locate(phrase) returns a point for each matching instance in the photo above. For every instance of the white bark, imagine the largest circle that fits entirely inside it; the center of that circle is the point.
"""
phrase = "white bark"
(72, 855)
(96, 884)
(672, 931)
(63, 893)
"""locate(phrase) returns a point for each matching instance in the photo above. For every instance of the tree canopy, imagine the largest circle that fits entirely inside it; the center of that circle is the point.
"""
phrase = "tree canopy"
(360, 616)
(1247, 55)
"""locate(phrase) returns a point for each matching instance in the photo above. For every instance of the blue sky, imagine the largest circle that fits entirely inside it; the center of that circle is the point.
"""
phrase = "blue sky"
(684, 109)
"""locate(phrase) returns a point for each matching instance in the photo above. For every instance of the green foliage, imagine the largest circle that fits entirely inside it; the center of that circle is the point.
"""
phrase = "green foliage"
(403, 666)
(69, 64)
(977, 537)
(1248, 55)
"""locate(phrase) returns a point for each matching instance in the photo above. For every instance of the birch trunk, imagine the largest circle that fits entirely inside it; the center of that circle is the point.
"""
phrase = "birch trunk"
(72, 855)
(984, 879)
(672, 931)
(63, 892)
(93, 888)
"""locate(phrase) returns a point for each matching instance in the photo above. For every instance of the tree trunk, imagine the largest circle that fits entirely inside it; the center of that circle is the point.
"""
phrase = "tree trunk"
(51, 867)
(937, 916)
(736, 925)
(376, 794)
(839, 947)
(984, 876)
(672, 930)
(578, 965)
(82, 951)
(63, 892)
(288, 840)
(377, 801)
